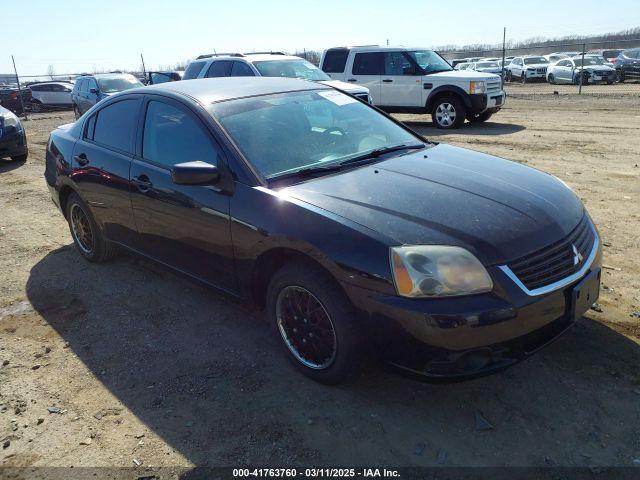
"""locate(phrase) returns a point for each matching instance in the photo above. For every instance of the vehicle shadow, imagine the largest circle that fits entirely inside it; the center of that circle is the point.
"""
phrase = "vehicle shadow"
(428, 130)
(7, 165)
(206, 375)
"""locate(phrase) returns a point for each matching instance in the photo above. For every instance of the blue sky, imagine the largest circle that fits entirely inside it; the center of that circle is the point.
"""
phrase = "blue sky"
(82, 35)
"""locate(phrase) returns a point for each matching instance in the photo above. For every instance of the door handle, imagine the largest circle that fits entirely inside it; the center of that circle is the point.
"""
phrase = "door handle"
(387, 80)
(81, 159)
(143, 183)
(352, 80)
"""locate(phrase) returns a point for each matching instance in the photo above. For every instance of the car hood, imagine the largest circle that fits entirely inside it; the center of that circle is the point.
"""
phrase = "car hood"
(464, 75)
(347, 87)
(495, 208)
(591, 68)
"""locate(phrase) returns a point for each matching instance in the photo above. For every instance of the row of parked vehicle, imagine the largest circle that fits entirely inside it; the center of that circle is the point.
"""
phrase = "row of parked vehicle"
(595, 66)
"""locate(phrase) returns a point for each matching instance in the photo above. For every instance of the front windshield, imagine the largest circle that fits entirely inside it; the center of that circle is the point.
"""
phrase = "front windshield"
(534, 60)
(487, 65)
(286, 132)
(430, 61)
(291, 68)
(118, 84)
(589, 61)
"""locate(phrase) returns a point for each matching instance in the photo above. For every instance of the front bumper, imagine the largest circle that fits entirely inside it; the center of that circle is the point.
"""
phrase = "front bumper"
(13, 144)
(535, 75)
(465, 337)
(493, 101)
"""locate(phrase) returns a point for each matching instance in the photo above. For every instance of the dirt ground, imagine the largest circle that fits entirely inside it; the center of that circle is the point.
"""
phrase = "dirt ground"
(126, 363)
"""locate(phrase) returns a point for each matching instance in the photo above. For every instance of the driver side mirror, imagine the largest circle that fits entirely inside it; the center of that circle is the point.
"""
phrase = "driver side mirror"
(94, 91)
(195, 173)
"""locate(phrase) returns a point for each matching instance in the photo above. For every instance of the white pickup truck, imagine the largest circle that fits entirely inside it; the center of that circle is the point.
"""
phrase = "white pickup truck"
(417, 80)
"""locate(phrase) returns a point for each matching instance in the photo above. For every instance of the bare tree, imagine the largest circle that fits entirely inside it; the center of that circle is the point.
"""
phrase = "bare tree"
(51, 72)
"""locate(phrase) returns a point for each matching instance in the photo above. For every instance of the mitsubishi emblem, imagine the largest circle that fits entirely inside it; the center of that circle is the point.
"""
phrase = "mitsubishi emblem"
(577, 256)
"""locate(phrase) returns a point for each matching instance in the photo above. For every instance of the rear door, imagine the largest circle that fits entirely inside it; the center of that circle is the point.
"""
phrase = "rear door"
(366, 70)
(101, 162)
(401, 81)
(184, 226)
(60, 94)
(241, 69)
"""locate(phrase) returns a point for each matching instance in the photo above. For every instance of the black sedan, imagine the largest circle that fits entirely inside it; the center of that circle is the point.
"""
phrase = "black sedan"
(350, 230)
(13, 141)
(627, 64)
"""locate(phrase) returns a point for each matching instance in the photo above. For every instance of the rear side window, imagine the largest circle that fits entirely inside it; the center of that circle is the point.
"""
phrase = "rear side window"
(221, 68)
(193, 70)
(241, 69)
(173, 136)
(115, 125)
(335, 60)
(368, 64)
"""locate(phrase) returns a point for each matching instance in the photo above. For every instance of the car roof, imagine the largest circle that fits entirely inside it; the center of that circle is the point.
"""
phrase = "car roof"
(107, 75)
(210, 90)
(377, 48)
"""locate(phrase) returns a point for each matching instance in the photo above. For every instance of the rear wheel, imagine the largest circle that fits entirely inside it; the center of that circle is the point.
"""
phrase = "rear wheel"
(87, 237)
(448, 113)
(315, 322)
(620, 75)
(76, 112)
(36, 106)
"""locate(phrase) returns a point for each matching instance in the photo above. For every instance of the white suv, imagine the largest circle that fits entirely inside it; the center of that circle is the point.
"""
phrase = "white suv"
(527, 68)
(417, 80)
(50, 94)
(266, 65)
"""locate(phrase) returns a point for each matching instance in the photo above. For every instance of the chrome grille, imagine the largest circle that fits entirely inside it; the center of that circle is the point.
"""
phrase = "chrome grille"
(494, 86)
(542, 70)
(556, 261)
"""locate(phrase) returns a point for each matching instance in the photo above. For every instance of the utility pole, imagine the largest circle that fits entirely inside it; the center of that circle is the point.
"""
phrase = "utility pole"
(581, 71)
(144, 70)
(504, 42)
(24, 112)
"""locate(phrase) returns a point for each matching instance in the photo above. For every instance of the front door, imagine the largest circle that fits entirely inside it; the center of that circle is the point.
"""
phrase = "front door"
(401, 81)
(184, 226)
(366, 70)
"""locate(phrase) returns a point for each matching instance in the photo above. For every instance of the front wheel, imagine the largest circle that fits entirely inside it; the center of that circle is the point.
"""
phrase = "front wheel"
(20, 158)
(479, 118)
(315, 322)
(508, 77)
(523, 78)
(448, 113)
(76, 112)
(36, 106)
(86, 234)
(551, 79)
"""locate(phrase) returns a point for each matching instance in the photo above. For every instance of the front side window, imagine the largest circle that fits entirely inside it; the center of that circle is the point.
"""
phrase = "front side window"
(283, 133)
(219, 68)
(241, 69)
(292, 69)
(172, 136)
(368, 64)
(115, 125)
(429, 61)
(193, 70)
(396, 63)
(118, 84)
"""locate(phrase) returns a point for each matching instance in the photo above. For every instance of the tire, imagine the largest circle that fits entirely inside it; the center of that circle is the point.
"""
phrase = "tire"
(81, 224)
(448, 113)
(551, 79)
(20, 158)
(36, 107)
(482, 117)
(508, 77)
(523, 77)
(76, 112)
(620, 76)
(307, 290)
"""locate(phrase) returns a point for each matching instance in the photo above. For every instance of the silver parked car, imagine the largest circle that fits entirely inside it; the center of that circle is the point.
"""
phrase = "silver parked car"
(594, 70)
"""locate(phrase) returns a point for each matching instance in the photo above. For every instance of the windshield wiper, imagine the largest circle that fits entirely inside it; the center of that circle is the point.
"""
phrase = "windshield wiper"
(309, 171)
(373, 154)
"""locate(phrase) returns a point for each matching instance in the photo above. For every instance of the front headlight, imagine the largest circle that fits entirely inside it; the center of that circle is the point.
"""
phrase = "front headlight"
(477, 87)
(11, 120)
(437, 271)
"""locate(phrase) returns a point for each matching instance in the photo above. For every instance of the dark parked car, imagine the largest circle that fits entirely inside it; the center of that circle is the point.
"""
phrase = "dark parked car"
(349, 228)
(13, 141)
(627, 64)
(89, 90)
(10, 98)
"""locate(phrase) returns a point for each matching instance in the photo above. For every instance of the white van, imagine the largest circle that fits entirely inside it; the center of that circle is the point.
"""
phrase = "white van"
(417, 80)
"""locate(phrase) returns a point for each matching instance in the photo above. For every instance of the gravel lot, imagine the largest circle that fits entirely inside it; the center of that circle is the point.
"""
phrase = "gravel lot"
(109, 365)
